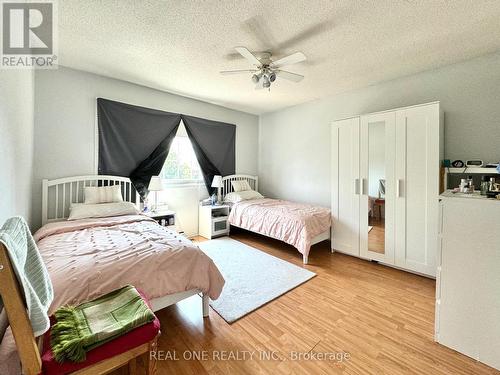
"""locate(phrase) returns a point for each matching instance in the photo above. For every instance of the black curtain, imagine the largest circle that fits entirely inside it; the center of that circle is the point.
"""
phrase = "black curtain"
(134, 141)
(214, 145)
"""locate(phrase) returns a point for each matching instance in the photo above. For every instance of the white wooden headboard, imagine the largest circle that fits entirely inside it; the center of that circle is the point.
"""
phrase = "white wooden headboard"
(57, 195)
(227, 188)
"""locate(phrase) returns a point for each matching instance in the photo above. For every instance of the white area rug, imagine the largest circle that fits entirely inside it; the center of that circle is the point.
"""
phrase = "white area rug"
(253, 277)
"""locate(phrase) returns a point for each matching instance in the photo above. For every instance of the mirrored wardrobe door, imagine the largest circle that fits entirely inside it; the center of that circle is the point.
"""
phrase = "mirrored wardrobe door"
(377, 153)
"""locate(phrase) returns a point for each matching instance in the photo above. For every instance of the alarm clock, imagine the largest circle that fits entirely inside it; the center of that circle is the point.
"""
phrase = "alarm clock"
(474, 163)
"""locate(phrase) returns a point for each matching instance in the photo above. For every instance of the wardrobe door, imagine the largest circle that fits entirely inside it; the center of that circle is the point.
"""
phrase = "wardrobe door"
(417, 187)
(377, 152)
(345, 186)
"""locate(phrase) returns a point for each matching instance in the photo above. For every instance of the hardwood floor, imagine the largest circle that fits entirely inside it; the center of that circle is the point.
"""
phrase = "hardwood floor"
(376, 236)
(383, 318)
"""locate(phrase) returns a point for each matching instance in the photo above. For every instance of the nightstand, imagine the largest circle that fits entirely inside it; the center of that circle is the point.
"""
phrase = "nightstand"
(166, 218)
(212, 221)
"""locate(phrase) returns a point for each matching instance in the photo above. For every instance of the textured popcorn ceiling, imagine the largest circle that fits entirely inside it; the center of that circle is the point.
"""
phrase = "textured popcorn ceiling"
(180, 46)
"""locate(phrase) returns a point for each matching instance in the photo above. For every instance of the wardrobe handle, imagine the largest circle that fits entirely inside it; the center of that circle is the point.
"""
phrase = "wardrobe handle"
(356, 186)
(362, 186)
(398, 188)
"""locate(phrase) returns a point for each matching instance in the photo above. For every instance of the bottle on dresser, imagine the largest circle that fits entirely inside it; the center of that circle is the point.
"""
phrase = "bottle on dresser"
(467, 185)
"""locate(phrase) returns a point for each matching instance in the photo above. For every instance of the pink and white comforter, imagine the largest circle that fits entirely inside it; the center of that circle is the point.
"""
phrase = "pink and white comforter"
(87, 258)
(294, 223)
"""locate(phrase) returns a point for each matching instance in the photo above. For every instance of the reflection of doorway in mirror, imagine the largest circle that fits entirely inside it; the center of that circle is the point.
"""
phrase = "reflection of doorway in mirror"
(376, 187)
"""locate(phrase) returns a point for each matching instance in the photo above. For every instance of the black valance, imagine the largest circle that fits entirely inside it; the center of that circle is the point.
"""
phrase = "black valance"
(134, 142)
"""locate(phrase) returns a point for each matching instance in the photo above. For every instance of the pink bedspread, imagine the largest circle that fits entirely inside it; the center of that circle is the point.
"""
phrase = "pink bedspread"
(90, 257)
(294, 223)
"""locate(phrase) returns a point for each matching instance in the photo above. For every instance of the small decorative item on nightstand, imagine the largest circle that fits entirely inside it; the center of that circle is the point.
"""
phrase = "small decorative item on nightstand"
(212, 221)
(165, 218)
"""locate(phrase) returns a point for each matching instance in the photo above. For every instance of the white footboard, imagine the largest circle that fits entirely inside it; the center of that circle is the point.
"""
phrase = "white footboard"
(162, 302)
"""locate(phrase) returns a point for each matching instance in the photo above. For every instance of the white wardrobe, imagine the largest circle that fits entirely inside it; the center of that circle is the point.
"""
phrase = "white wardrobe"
(385, 186)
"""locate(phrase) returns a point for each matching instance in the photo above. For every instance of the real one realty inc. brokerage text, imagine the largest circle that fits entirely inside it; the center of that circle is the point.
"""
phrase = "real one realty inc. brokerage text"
(246, 355)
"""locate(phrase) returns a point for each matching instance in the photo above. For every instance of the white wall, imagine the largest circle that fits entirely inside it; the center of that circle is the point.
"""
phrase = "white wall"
(16, 143)
(294, 144)
(65, 113)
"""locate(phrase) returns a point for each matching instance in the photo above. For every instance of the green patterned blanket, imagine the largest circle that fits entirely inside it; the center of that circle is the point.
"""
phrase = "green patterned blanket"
(86, 326)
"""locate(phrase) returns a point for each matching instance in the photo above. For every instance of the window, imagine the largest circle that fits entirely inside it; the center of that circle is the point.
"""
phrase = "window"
(181, 165)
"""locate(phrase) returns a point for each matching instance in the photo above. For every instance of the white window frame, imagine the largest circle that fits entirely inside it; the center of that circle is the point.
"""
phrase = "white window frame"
(181, 132)
(181, 183)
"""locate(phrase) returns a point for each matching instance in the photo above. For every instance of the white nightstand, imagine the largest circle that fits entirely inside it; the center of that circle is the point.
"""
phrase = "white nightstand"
(212, 221)
(166, 218)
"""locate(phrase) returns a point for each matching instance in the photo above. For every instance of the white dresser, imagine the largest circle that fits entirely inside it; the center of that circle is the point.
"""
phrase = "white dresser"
(468, 277)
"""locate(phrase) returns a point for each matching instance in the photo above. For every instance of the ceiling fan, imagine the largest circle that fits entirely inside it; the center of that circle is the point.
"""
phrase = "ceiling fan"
(266, 70)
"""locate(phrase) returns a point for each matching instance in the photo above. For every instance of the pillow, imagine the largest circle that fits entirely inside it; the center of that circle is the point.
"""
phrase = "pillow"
(242, 196)
(85, 211)
(240, 185)
(102, 194)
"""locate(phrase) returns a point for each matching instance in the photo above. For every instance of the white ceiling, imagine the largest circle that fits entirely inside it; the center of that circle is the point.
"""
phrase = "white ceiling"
(180, 46)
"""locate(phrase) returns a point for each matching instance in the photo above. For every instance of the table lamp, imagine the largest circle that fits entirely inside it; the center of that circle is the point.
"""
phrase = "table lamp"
(156, 186)
(217, 183)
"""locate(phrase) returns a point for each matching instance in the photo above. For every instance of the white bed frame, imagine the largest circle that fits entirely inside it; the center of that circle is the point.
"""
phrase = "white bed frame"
(57, 196)
(253, 181)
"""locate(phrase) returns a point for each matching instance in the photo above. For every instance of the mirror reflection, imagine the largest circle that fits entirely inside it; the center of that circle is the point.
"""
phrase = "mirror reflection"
(376, 187)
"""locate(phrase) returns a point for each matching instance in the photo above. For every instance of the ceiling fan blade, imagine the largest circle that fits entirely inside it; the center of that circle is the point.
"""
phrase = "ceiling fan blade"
(294, 77)
(248, 55)
(294, 58)
(258, 29)
(307, 34)
(229, 72)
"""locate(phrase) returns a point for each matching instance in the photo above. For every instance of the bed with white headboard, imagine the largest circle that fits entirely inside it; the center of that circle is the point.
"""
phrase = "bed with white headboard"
(319, 216)
(59, 194)
(227, 187)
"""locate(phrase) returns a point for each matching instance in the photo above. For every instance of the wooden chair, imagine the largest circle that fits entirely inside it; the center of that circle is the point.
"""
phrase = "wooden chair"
(26, 343)
(379, 203)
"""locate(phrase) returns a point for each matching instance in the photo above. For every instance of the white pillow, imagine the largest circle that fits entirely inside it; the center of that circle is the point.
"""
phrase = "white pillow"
(85, 211)
(102, 194)
(240, 185)
(242, 196)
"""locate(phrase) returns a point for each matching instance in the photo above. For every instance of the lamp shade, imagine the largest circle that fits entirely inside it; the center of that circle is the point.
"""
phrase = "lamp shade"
(155, 184)
(217, 182)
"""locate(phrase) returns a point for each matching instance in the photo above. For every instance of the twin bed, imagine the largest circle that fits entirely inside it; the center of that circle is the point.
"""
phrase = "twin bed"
(299, 225)
(89, 257)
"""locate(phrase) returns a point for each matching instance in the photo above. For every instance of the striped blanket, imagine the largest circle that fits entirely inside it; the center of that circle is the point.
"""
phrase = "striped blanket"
(30, 271)
(88, 325)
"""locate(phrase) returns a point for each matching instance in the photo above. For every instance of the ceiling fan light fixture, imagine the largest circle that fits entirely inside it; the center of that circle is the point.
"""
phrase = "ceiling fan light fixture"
(266, 84)
(265, 70)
